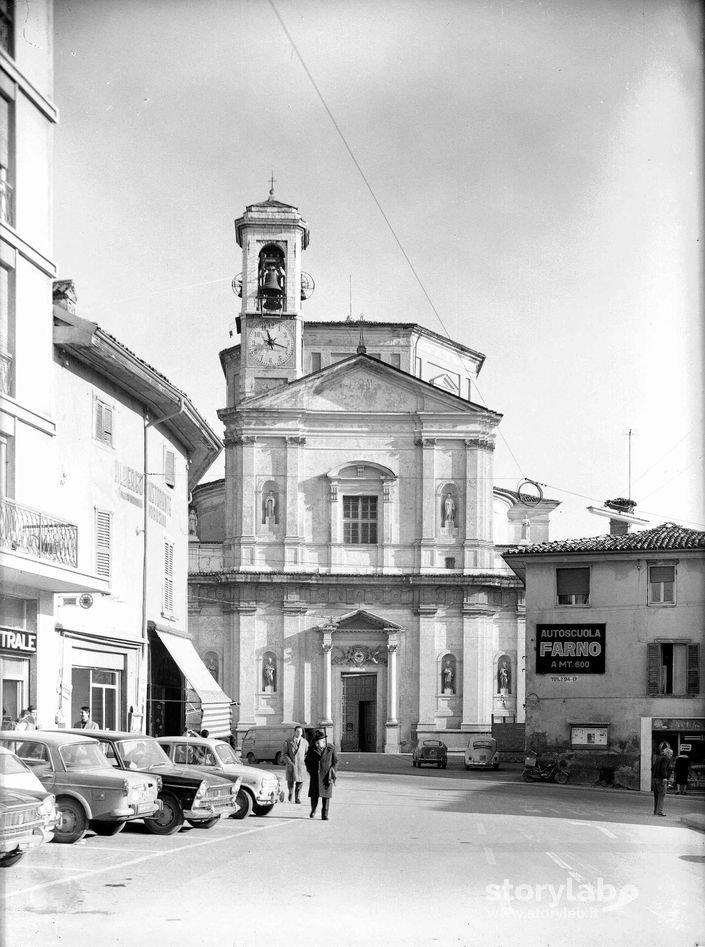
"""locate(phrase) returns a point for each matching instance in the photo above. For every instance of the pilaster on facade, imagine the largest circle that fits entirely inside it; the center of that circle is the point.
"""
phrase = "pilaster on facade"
(243, 645)
(427, 665)
(478, 640)
(477, 548)
(293, 661)
(426, 504)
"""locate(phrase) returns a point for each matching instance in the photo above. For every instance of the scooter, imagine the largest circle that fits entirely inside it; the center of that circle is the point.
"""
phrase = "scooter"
(547, 771)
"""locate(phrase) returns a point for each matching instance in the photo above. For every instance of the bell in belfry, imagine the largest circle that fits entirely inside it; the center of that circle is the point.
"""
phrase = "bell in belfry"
(271, 284)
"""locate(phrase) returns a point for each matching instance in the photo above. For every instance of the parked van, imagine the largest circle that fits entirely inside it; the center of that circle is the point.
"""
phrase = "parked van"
(267, 743)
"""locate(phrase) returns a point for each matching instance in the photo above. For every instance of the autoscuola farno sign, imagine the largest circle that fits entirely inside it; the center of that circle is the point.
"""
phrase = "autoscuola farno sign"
(578, 649)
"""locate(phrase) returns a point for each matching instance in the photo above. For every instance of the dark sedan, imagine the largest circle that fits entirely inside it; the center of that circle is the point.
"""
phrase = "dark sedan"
(197, 798)
(430, 753)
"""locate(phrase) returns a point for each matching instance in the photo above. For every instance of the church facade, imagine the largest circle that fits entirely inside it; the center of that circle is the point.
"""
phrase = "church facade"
(347, 571)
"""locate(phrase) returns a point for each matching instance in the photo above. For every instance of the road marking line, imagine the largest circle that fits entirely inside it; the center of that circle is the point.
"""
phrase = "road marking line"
(481, 829)
(563, 864)
(594, 825)
(145, 858)
(489, 855)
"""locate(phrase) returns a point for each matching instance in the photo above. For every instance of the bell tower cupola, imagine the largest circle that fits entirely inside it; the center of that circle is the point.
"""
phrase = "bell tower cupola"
(272, 287)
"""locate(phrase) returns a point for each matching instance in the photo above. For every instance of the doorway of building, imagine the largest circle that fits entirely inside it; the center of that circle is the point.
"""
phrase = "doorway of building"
(359, 713)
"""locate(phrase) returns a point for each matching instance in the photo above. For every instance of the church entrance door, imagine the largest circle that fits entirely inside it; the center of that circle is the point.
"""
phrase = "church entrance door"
(359, 713)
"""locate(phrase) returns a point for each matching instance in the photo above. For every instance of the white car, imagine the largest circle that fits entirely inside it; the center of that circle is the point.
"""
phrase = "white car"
(28, 813)
(259, 790)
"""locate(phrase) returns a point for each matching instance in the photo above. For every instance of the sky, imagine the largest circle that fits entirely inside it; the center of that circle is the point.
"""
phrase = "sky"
(522, 176)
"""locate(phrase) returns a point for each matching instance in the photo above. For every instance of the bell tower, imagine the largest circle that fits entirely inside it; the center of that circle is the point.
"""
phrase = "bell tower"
(272, 286)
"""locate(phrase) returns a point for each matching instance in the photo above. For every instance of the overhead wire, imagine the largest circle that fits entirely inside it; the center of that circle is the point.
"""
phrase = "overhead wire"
(399, 242)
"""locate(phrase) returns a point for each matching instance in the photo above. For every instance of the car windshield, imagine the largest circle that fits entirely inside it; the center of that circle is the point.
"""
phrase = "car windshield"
(78, 756)
(9, 765)
(226, 754)
(482, 745)
(142, 753)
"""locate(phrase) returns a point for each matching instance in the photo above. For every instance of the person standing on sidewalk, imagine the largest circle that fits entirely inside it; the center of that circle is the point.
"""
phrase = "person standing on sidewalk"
(682, 768)
(295, 757)
(660, 772)
(321, 761)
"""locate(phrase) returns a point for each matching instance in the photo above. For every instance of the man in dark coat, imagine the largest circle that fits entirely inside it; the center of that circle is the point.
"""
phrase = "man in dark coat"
(682, 770)
(660, 772)
(320, 763)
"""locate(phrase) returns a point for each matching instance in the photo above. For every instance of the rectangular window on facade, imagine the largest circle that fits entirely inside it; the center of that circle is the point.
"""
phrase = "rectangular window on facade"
(103, 543)
(662, 585)
(168, 579)
(7, 28)
(169, 468)
(315, 361)
(573, 586)
(360, 520)
(103, 430)
(450, 562)
(673, 668)
(6, 193)
(6, 331)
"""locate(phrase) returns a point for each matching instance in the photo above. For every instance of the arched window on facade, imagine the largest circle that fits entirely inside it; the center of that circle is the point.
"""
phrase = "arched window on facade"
(449, 675)
(272, 278)
(269, 672)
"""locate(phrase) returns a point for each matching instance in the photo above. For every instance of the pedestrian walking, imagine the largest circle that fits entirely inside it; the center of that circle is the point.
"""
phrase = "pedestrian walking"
(321, 762)
(28, 719)
(295, 750)
(85, 722)
(660, 771)
(682, 769)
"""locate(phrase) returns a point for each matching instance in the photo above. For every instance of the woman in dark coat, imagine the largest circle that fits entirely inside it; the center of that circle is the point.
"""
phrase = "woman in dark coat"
(320, 763)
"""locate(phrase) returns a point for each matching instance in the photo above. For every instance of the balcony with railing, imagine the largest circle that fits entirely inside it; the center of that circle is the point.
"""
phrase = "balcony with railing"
(38, 534)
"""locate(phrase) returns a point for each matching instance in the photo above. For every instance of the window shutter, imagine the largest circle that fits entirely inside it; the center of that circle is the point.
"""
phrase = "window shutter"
(103, 422)
(573, 581)
(653, 652)
(693, 685)
(661, 574)
(103, 529)
(169, 468)
(168, 579)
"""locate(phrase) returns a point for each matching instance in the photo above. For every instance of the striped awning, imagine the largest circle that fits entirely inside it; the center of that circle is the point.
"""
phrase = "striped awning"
(215, 703)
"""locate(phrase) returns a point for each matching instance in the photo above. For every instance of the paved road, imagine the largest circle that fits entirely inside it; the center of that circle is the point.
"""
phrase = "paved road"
(408, 858)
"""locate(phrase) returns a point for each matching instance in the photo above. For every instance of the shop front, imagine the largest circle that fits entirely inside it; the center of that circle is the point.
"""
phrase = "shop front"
(685, 735)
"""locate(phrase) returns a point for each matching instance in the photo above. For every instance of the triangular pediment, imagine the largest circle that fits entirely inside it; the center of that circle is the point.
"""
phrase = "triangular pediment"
(360, 620)
(362, 385)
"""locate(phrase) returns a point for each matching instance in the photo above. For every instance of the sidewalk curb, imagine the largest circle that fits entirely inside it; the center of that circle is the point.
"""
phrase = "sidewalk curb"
(695, 820)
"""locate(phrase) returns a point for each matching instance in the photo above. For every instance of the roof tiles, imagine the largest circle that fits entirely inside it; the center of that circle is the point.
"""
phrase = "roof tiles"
(665, 537)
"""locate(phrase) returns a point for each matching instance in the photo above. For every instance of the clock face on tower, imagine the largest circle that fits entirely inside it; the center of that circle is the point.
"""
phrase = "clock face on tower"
(270, 343)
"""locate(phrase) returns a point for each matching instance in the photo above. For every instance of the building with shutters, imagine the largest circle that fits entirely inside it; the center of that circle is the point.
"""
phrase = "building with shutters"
(615, 662)
(346, 572)
(130, 447)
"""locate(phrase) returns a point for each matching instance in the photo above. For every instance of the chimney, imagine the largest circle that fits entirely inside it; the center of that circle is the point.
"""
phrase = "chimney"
(621, 515)
(64, 295)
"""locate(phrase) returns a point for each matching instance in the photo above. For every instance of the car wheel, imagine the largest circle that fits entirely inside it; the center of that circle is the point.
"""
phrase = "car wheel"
(262, 810)
(561, 776)
(72, 822)
(203, 823)
(107, 828)
(169, 820)
(467, 766)
(279, 759)
(443, 765)
(7, 861)
(244, 805)
(251, 759)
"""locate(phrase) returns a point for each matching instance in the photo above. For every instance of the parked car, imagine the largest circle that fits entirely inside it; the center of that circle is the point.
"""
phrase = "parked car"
(28, 813)
(431, 752)
(88, 790)
(481, 753)
(259, 790)
(267, 743)
(197, 798)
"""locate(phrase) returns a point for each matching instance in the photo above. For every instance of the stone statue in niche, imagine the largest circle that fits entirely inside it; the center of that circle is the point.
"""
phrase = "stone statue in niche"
(269, 675)
(449, 511)
(448, 677)
(192, 524)
(270, 509)
(526, 529)
(504, 677)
